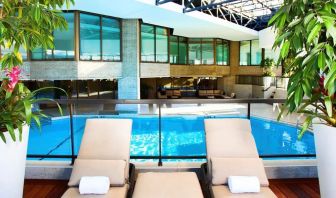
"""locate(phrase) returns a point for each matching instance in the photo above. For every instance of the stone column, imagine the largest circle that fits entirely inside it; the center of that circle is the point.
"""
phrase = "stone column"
(129, 84)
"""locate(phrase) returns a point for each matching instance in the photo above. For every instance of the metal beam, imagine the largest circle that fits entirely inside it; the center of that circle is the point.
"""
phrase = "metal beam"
(160, 2)
(204, 7)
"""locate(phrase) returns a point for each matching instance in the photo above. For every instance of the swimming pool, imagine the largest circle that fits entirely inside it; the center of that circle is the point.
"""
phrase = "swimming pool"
(181, 136)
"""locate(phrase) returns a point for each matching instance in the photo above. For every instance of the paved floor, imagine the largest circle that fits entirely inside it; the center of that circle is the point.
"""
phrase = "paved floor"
(292, 188)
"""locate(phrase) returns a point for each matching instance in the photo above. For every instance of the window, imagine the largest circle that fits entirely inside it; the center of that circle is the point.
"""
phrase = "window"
(5, 51)
(147, 43)
(222, 52)
(178, 50)
(183, 50)
(272, 54)
(195, 55)
(250, 53)
(255, 53)
(89, 37)
(63, 43)
(201, 51)
(245, 54)
(161, 45)
(154, 44)
(173, 49)
(207, 52)
(111, 39)
(99, 38)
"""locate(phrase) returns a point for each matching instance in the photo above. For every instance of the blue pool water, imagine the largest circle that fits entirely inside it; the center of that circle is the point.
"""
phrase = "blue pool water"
(181, 135)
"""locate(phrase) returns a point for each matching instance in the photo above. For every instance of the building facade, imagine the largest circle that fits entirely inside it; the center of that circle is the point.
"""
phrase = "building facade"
(101, 56)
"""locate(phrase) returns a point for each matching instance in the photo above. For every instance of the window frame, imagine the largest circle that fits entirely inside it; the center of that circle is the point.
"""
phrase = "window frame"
(214, 52)
(223, 41)
(101, 36)
(250, 45)
(168, 44)
(30, 52)
(179, 38)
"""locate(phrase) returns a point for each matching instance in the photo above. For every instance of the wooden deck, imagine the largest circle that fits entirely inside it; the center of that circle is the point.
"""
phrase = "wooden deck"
(291, 188)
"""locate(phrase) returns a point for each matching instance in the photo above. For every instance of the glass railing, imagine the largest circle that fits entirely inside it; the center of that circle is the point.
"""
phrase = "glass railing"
(168, 130)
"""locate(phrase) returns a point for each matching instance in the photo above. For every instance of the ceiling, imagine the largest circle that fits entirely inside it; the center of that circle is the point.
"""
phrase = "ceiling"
(170, 14)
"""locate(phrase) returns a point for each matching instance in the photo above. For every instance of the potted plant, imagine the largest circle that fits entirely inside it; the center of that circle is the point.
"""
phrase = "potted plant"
(27, 24)
(306, 32)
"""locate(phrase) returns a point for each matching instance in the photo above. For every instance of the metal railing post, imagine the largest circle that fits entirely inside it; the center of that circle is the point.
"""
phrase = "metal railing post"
(160, 135)
(249, 110)
(72, 134)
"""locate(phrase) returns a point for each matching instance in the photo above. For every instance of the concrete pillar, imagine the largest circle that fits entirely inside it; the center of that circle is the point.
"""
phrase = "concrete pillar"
(129, 84)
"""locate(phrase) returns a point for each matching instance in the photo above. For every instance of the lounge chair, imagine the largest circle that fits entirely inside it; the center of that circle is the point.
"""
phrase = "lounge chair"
(231, 151)
(104, 151)
(167, 185)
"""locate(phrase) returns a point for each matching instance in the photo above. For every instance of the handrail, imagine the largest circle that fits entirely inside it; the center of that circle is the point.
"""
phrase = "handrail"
(164, 101)
(159, 102)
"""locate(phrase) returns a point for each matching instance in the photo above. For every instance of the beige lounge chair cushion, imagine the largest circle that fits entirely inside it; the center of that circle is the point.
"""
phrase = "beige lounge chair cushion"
(106, 139)
(114, 169)
(229, 138)
(114, 192)
(224, 191)
(167, 185)
(222, 168)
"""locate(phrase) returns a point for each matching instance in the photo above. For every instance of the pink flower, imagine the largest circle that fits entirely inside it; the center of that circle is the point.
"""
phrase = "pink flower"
(14, 77)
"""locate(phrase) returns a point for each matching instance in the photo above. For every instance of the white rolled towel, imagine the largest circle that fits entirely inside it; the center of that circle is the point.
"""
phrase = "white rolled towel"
(94, 185)
(244, 184)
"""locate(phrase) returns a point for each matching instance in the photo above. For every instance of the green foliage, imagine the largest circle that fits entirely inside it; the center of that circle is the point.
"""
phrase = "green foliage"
(268, 66)
(306, 34)
(28, 24)
(16, 109)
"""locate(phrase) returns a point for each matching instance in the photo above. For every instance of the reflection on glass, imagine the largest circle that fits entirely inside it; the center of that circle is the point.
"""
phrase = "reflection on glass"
(63, 43)
(64, 40)
(89, 37)
(161, 44)
(111, 39)
(245, 54)
(256, 53)
(183, 47)
(23, 52)
(222, 52)
(147, 43)
(207, 52)
(195, 51)
(173, 44)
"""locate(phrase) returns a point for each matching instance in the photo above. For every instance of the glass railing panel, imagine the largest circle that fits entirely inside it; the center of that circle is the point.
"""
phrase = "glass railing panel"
(53, 138)
(145, 127)
(183, 132)
(279, 138)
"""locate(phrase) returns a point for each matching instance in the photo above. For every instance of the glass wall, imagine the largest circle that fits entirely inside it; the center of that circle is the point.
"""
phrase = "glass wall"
(201, 51)
(222, 52)
(89, 37)
(161, 45)
(147, 43)
(63, 43)
(256, 53)
(245, 53)
(154, 44)
(207, 52)
(173, 50)
(178, 50)
(111, 39)
(250, 53)
(93, 89)
(4, 51)
(183, 50)
(99, 38)
(195, 51)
